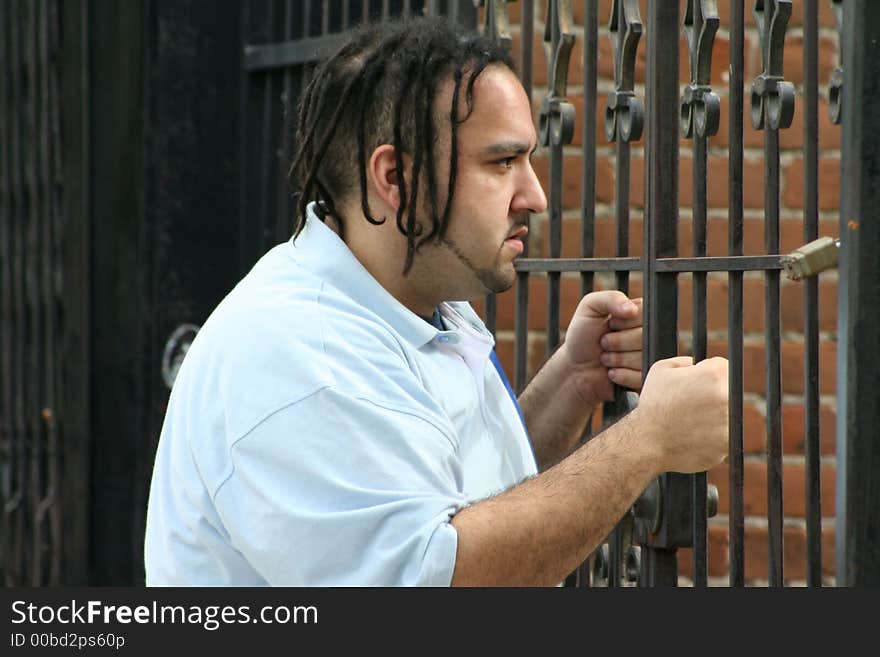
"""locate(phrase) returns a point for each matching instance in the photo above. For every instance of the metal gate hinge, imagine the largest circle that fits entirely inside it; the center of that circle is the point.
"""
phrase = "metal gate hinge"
(812, 258)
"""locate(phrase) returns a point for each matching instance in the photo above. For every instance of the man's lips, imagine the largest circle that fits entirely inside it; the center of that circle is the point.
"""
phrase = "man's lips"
(514, 240)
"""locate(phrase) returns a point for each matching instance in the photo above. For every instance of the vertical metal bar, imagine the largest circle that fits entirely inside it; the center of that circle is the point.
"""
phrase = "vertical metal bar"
(774, 372)
(698, 328)
(521, 328)
(772, 109)
(325, 17)
(32, 278)
(858, 356)
(74, 292)
(267, 137)
(54, 351)
(9, 334)
(736, 517)
(661, 223)
(811, 295)
(588, 152)
(612, 410)
(47, 511)
(284, 149)
(19, 277)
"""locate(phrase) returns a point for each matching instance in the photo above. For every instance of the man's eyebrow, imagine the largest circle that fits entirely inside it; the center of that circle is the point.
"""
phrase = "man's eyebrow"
(502, 147)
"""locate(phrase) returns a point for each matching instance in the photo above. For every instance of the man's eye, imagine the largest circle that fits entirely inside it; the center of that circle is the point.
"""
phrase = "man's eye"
(507, 162)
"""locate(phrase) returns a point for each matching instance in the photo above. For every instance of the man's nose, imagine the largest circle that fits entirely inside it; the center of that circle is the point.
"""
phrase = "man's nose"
(530, 197)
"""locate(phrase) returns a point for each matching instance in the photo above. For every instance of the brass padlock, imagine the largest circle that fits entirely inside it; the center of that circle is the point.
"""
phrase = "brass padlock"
(812, 258)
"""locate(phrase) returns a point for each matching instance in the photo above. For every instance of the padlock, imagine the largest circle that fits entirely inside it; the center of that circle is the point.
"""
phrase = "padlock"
(812, 258)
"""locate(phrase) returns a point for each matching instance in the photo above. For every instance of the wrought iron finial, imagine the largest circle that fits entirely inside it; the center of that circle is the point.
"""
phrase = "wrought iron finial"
(624, 113)
(557, 115)
(496, 25)
(700, 106)
(772, 103)
(835, 87)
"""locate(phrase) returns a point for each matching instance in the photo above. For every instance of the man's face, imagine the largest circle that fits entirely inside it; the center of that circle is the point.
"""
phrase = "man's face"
(495, 188)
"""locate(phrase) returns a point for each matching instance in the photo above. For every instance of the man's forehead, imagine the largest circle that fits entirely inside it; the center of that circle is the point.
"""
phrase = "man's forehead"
(499, 102)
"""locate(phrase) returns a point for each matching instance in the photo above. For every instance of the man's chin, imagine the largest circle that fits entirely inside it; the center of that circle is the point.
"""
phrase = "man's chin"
(499, 280)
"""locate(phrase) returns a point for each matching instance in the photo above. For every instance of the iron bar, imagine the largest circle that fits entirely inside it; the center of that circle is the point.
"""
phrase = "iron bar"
(772, 108)
(736, 516)
(811, 295)
(773, 374)
(700, 111)
(73, 290)
(521, 312)
(15, 505)
(7, 431)
(659, 559)
(858, 357)
(555, 130)
(661, 265)
(588, 132)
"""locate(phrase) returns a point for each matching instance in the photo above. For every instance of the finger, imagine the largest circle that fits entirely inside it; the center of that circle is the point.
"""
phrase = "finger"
(621, 323)
(625, 340)
(607, 302)
(629, 359)
(628, 378)
(676, 361)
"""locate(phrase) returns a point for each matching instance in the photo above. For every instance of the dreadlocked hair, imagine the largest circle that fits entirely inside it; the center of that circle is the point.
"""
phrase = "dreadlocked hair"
(379, 88)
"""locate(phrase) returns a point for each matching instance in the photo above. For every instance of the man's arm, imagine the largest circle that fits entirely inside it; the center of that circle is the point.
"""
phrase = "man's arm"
(602, 347)
(538, 532)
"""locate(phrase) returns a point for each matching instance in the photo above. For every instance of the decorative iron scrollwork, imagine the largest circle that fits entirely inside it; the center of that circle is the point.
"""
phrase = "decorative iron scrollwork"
(556, 124)
(496, 24)
(835, 87)
(772, 102)
(624, 113)
(700, 106)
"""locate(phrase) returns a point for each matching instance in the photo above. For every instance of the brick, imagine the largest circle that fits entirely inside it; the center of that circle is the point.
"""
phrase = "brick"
(572, 172)
(755, 489)
(793, 59)
(790, 138)
(537, 310)
(791, 365)
(604, 238)
(717, 182)
(794, 553)
(717, 550)
(829, 184)
(791, 306)
(794, 429)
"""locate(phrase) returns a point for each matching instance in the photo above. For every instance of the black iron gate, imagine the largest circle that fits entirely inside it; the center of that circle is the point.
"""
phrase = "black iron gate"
(126, 217)
(673, 513)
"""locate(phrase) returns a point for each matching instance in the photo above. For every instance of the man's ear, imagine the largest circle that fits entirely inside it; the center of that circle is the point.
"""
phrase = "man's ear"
(382, 168)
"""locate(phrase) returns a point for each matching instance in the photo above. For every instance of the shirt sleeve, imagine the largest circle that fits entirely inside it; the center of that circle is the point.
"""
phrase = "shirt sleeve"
(338, 490)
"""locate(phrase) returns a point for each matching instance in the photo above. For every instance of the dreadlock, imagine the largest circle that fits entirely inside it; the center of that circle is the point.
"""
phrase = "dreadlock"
(379, 88)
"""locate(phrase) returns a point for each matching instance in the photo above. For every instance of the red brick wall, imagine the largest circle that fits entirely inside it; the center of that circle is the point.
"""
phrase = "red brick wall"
(791, 226)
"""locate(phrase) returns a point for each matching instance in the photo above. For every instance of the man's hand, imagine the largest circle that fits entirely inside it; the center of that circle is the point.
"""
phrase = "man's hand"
(603, 345)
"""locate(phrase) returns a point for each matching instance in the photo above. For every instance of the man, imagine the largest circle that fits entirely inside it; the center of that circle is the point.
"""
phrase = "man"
(339, 420)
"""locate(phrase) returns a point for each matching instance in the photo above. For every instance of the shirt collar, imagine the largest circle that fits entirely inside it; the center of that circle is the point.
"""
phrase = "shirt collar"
(322, 252)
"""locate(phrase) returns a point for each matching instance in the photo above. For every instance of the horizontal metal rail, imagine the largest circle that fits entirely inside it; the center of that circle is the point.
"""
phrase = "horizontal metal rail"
(290, 53)
(677, 265)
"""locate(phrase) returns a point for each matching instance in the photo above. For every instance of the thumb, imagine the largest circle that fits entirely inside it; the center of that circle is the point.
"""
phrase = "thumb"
(608, 302)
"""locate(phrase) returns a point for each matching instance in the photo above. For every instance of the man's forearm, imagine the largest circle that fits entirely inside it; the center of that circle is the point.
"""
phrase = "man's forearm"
(538, 532)
(554, 411)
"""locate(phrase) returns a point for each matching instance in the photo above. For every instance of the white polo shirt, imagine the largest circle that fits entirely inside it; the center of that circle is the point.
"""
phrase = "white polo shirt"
(321, 434)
